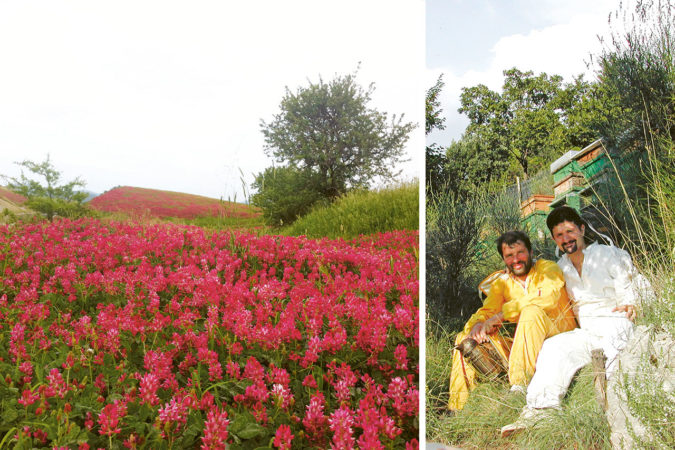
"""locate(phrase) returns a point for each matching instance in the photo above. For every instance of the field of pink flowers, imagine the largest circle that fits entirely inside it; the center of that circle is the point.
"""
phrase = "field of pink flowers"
(12, 196)
(162, 204)
(118, 335)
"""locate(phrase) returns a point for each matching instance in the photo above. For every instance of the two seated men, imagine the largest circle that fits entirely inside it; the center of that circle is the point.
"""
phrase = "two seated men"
(599, 280)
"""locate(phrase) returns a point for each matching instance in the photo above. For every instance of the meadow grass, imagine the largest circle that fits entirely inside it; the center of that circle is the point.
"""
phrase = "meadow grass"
(362, 212)
(580, 424)
(223, 223)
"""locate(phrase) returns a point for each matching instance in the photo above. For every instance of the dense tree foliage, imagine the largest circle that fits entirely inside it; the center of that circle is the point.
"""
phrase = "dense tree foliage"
(285, 193)
(47, 194)
(532, 121)
(329, 131)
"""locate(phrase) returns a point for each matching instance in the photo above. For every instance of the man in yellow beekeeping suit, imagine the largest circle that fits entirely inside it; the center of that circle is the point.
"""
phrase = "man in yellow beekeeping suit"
(531, 294)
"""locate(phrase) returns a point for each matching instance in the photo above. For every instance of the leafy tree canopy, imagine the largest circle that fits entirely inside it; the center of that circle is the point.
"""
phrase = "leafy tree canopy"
(435, 160)
(47, 194)
(328, 130)
(433, 107)
(533, 120)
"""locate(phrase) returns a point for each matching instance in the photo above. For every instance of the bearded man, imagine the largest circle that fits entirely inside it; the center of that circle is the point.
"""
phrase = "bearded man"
(531, 294)
(602, 284)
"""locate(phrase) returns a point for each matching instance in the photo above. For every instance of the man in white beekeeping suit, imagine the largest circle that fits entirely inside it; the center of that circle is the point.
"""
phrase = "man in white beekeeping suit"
(600, 281)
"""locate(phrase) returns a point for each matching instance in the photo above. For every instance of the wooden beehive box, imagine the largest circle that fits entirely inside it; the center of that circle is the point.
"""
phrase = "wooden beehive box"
(537, 202)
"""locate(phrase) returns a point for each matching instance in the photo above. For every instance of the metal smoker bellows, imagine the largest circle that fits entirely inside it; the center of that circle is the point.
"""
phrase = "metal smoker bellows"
(482, 357)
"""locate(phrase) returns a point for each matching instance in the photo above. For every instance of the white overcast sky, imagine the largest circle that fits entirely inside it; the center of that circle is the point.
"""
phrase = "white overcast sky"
(473, 41)
(169, 95)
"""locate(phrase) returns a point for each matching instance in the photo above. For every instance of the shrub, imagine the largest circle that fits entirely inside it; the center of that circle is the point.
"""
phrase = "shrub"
(284, 194)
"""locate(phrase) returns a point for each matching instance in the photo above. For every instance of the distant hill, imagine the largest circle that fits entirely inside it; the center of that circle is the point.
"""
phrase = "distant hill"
(11, 201)
(162, 204)
(12, 196)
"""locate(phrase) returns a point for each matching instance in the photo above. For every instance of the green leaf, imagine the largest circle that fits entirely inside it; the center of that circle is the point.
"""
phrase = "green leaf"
(9, 415)
(251, 430)
(73, 435)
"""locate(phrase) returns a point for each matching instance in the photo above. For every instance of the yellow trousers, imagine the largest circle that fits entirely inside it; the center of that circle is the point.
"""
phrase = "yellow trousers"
(533, 327)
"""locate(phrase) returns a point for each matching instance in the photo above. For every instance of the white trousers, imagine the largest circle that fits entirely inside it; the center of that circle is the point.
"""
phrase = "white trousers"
(564, 354)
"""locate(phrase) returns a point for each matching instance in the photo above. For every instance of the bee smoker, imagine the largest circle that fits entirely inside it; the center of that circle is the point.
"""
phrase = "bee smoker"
(482, 357)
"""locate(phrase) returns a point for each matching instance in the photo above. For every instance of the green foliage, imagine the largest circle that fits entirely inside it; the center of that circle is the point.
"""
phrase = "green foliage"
(650, 403)
(52, 207)
(637, 123)
(433, 108)
(285, 193)
(636, 74)
(461, 232)
(49, 196)
(637, 78)
(327, 131)
(439, 343)
(222, 222)
(363, 212)
(454, 242)
(50, 188)
(435, 158)
(472, 163)
(530, 121)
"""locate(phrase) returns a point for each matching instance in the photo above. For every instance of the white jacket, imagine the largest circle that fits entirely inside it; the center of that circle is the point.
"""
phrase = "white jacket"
(608, 279)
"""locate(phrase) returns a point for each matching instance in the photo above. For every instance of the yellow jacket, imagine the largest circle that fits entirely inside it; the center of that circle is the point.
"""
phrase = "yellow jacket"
(544, 286)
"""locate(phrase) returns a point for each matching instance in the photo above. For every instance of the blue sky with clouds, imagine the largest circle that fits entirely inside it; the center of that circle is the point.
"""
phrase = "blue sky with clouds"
(473, 42)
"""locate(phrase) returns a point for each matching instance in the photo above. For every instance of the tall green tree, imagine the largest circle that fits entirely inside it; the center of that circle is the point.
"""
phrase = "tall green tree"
(329, 130)
(48, 194)
(435, 160)
(533, 120)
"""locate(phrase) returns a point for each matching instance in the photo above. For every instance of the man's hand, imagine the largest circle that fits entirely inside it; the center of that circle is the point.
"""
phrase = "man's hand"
(481, 330)
(630, 311)
(477, 333)
(491, 325)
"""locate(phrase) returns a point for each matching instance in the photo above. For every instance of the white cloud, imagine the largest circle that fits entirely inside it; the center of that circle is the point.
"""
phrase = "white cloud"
(562, 48)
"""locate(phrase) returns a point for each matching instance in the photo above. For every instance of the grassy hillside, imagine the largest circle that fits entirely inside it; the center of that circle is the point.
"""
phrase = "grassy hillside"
(363, 212)
(143, 202)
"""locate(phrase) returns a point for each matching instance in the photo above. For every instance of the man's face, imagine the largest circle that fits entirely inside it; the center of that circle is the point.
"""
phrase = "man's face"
(517, 259)
(568, 237)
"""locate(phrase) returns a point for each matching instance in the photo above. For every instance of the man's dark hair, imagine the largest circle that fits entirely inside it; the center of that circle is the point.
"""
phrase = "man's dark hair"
(511, 237)
(562, 214)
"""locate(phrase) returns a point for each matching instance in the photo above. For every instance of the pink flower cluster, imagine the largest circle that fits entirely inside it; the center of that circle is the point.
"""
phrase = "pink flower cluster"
(149, 333)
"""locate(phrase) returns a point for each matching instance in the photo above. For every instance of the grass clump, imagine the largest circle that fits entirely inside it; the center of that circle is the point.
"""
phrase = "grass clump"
(362, 212)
